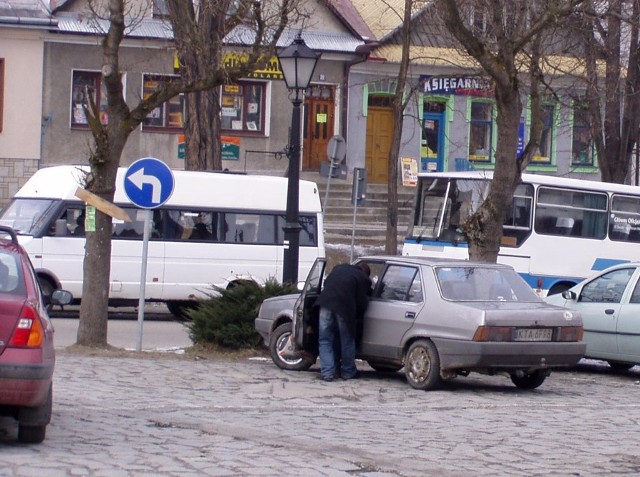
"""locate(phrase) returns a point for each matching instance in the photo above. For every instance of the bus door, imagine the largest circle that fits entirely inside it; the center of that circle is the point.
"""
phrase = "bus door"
(432, 150)
(126, 258)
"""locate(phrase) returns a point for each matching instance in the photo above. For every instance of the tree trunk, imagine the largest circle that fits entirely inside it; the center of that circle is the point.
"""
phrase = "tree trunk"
(484, 228)
(92, 326)
(202, 131)
(399, 104)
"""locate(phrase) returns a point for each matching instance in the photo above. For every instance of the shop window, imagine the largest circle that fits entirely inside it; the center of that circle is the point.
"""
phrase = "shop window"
(582, 150)
(1, 91)
(160, 9)
(243, 107)
(548, 135)
(481, 131)
(167, 116)
(87, 87)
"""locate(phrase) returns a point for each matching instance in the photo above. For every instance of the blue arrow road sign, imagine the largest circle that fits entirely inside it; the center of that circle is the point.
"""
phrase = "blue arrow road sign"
(148, 183)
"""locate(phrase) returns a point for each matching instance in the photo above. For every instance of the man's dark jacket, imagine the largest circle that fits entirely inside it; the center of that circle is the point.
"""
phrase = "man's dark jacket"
(346, 292)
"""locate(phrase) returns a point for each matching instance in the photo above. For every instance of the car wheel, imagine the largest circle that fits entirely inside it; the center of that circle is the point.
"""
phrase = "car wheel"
(277, 344)
(384, 367)
(422, 365)
(530, 380)
(180, 309)
(31, 434)
(32, 421)
(618, 366)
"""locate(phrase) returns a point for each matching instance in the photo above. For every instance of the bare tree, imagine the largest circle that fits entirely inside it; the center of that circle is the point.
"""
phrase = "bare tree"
(110, 139)
(505, 38)
(200, 30)
(610, 35)
(399, 104)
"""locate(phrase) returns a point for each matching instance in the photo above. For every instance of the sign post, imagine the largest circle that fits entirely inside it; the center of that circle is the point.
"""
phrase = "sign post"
(336, 150)
(148, 183)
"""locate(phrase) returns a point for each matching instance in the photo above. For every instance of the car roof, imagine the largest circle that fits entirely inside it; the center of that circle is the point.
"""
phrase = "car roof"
(430, 261)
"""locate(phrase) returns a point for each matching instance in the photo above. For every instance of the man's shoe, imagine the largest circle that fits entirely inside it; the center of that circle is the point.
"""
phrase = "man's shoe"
(327, 378)
(291, 355)
(355, 376)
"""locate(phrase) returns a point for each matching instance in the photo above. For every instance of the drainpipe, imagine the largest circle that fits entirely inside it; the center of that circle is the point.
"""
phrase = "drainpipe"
(364, 51)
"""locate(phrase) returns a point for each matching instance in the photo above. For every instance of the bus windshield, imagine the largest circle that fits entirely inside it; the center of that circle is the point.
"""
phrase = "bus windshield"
(27, 216)
(443, 206)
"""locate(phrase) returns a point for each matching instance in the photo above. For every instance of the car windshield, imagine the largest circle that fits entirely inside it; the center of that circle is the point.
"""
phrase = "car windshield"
(11, 281)
(466, 283)
(27, 216)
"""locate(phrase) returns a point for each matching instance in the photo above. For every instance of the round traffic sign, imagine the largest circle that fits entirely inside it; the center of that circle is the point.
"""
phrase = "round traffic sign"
(148, 183)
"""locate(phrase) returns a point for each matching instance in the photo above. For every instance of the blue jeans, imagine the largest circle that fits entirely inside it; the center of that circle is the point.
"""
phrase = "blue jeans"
(334, 331)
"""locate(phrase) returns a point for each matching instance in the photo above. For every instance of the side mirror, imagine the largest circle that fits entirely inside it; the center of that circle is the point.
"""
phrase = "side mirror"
(569, 295)
(61, 297)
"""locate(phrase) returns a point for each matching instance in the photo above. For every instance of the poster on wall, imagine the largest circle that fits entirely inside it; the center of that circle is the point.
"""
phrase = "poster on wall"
(230, 148)
(409, 171)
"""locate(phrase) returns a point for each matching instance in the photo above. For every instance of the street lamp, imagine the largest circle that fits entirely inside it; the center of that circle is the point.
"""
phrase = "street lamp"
(297, 63)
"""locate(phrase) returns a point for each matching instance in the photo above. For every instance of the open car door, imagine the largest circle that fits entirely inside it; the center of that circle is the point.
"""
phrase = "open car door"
(305, 315)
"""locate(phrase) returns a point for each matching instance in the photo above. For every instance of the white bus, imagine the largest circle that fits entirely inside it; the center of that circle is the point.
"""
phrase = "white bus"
(557, 232)
(216, 228)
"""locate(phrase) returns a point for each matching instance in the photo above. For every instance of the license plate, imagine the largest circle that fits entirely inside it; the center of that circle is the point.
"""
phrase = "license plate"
(533, 334)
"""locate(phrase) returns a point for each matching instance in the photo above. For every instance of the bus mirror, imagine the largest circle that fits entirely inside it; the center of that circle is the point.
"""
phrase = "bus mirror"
(61, 228)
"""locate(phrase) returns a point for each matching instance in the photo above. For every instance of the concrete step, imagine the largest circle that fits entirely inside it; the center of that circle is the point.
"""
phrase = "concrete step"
(371, 216)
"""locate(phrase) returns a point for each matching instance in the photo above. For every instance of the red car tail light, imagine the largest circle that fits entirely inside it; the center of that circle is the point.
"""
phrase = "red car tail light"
(493, 333)
(28, 332)
(570, 333)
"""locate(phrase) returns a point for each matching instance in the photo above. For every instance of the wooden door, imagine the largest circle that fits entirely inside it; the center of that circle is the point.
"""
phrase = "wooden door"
(318, 126)
(379, 137)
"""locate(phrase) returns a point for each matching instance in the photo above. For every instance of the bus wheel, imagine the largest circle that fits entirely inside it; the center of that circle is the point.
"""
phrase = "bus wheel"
(180, 309)
(47, 287)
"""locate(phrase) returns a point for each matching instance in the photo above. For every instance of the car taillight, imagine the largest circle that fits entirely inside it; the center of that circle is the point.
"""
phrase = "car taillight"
(570, 333)
(493, 333)
(28, 332)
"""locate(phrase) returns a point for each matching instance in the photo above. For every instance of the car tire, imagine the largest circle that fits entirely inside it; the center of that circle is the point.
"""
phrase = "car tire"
(619, 366)
(31, 434)
(384, 367)
(32, 422)
(277, 344)
(531, 380)
(422, 365)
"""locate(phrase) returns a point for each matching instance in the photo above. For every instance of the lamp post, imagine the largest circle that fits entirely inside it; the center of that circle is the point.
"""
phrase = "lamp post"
(297, 63)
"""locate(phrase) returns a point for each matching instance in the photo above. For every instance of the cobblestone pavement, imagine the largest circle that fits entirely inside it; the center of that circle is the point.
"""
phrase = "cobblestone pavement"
(151, 415)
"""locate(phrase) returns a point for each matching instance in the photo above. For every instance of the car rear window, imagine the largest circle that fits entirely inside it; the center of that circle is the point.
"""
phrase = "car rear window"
(11, 281)
(483, 284)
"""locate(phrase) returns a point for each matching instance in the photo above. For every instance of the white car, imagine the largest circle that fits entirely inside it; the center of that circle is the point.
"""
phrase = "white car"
(609, 303)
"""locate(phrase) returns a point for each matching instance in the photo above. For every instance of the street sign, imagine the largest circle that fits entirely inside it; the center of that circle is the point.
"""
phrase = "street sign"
(148, 183)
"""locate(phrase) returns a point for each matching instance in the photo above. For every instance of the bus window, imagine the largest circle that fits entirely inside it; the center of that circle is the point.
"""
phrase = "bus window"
(625, 219)
(517, 224)
(128, 230)
(571, 213)
(308, 236)
(459, 199)
(28, 216)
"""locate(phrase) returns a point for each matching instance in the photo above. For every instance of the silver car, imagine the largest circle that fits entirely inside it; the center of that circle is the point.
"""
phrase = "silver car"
(609, 303)
(437, 320)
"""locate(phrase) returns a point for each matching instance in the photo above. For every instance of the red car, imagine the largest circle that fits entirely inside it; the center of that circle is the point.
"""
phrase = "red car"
(27, 353)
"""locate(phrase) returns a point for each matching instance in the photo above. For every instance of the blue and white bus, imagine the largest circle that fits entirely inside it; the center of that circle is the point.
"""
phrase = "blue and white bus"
(557, 232)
